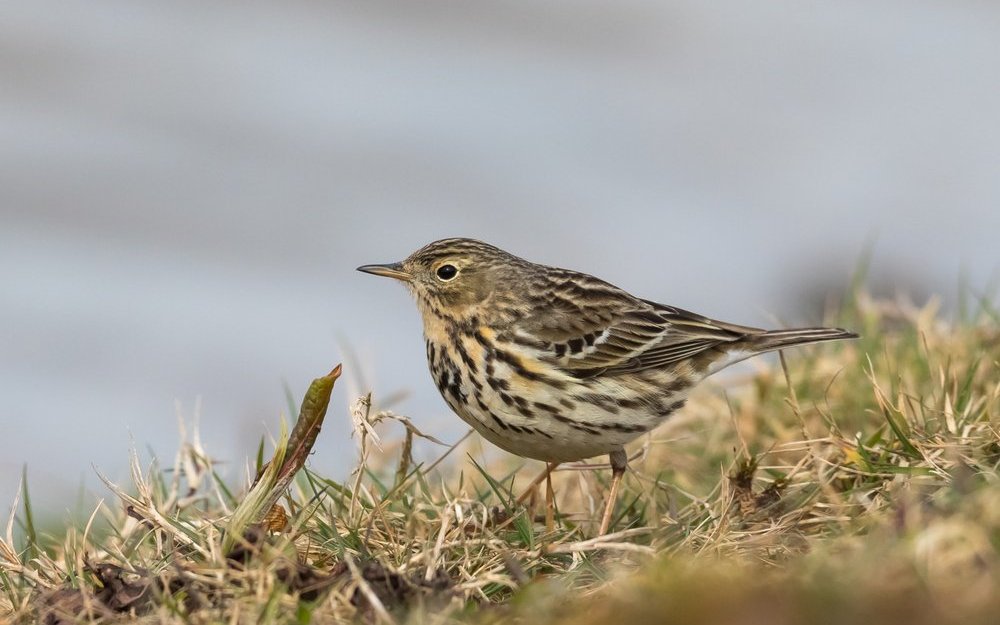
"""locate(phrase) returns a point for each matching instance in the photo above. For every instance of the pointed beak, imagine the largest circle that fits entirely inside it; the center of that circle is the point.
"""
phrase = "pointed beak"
(389, 270)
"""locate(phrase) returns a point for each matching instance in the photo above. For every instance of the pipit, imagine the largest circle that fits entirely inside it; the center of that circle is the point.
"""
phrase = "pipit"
(558, 365)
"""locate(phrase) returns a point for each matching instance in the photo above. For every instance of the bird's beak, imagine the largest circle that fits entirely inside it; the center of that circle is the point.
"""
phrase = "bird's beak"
(389, 270)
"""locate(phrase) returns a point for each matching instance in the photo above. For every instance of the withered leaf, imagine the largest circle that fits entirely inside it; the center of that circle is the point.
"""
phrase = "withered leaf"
(276, 519)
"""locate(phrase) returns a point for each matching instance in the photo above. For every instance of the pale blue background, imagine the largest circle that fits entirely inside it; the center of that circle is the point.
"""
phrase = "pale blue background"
(186, 187)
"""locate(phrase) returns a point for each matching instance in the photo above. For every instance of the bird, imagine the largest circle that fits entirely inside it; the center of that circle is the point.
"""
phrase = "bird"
(558, 365)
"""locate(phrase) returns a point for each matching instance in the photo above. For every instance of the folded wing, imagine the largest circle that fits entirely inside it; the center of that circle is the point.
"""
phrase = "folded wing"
(592, 328)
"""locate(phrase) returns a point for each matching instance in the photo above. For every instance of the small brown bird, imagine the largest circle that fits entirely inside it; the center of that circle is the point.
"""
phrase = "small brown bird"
(558, 365)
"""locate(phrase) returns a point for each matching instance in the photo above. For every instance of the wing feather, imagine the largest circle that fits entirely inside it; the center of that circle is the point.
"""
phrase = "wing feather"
(611, 331)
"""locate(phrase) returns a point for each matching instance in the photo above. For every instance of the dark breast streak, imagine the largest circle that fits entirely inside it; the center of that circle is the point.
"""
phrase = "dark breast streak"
(471, 382)
(455, 374)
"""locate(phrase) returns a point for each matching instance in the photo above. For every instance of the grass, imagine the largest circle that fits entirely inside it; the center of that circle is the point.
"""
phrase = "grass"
(851, 483)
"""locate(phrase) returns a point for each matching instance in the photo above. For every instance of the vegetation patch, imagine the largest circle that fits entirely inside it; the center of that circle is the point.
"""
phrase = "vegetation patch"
(850, 483)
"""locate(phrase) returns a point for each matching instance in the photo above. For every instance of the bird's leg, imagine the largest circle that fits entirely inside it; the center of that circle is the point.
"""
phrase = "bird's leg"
(549, 468)
(550, 503)
(619, 462)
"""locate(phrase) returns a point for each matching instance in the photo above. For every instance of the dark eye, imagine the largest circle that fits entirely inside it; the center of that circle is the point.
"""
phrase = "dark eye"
(446, 272)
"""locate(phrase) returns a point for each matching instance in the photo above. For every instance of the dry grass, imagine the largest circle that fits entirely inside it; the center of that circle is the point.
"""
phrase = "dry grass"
(860, 483)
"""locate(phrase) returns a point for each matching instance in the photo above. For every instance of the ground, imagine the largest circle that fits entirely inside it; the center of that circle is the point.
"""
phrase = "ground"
(853, 482)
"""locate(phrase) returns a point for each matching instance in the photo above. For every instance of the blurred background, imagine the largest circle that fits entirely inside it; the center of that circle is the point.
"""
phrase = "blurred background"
(187, 187)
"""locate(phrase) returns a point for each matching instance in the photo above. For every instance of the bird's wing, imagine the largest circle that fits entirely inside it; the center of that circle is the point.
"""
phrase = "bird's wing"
(606, 330)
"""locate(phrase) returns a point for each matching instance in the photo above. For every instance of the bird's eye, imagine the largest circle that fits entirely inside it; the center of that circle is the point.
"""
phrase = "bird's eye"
(446, 272)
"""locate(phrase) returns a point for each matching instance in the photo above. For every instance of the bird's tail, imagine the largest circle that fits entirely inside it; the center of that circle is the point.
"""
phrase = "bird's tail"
(763, 341)
(780, 339)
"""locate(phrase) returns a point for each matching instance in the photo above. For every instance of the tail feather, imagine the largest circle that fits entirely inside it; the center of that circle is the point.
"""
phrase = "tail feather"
(773, 340)
(780, 339)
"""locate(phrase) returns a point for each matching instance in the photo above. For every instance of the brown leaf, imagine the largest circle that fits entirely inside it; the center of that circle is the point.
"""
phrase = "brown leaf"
(276, 519)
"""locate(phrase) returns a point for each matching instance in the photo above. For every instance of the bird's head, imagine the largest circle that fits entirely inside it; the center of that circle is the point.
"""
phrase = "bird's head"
(454, 275)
